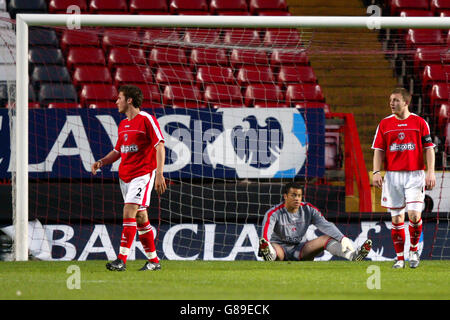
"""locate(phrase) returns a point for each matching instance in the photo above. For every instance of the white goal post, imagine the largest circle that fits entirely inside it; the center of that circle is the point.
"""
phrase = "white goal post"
(24, 21)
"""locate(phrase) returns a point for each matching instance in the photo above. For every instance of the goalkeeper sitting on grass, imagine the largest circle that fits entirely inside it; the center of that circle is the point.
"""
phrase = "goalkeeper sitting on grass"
(285, 225)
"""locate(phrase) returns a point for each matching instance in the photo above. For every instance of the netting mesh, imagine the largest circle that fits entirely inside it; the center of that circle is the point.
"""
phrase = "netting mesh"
(243, 111)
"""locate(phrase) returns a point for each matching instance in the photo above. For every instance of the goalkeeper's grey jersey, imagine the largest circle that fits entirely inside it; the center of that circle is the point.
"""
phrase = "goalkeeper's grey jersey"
(281, 226)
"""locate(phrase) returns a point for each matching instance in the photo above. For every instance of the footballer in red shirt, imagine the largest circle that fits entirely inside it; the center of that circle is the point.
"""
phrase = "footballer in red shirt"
(140, 146)
(400, 141)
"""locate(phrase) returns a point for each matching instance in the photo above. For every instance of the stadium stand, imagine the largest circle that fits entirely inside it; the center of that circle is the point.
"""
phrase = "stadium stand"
(223, 95)
(125, 56)
(229, 7)
(26, 6)
(182, 96)
(193, 7)
(214, 74)
(265, 95)
(78, 56)
(148, 7)
(108, 7)
(60, 6)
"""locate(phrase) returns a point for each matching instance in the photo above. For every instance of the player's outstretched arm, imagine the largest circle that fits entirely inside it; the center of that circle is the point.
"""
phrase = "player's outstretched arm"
(160, 182)
(108, 159)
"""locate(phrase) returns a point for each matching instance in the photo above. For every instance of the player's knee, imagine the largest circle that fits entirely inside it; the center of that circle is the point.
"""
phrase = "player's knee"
(130, 211)
(141, 217)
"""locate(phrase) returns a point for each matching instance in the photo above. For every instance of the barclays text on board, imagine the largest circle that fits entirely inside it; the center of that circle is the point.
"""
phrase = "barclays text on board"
(222, 143)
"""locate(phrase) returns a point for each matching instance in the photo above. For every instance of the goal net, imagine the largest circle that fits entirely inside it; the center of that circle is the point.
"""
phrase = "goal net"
(243, 111)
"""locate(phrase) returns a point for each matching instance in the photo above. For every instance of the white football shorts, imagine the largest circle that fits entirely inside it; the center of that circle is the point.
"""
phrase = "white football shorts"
(402, 187)
(138, 190)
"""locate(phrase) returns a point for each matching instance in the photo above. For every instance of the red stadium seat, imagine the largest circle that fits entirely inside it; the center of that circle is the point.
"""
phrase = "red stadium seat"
(97, 93)
(438, 6)
(447, 139)
(125, 56)
(264, 96)
(398, 5)
(198, 7)
(434, 73)
(439, 94)
(77, 38)
(214, 74)
(85, 56)
(242, 37)
(108, 6)
(229, 7)
(282, 38)
(443, 117)
(421, 37)
(64, 105)
(223, 95)
(150, 91)
(156, 36)
(120, 38)
(133, 74)
(254, 74)
(281, 57)
(296, 93)
(428, 55)
(202, 36)
(167, 56)
(60, 6)
(173, 74)
(296, 74)
(102, 105)
(145, 7)
(182, 96)
(416, 13)
(258, 6)
(208, 56)
(91, 74)
(239, 57)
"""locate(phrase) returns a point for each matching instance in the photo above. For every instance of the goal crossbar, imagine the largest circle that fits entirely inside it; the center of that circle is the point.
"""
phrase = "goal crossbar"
(23, 21)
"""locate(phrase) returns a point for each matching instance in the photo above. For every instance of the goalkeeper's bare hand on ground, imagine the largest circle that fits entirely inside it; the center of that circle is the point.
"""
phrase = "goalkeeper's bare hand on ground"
(266, 250)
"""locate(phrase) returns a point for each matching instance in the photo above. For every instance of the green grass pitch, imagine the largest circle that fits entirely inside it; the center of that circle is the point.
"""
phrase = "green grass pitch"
(219, 280)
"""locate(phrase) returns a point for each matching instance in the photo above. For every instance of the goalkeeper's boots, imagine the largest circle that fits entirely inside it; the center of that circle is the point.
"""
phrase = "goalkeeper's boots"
(153, 266)
(399, 264)
(363, 251)
(116, 265)
(266, 250)
(414, 259)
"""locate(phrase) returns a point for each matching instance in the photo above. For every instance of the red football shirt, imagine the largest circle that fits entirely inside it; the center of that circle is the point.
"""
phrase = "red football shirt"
(136, 143)
(403, 142)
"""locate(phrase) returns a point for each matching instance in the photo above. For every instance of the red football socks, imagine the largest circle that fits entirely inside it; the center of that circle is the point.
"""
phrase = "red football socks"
(398, 238)
(415, 230)
(128, 235)
(146, 237)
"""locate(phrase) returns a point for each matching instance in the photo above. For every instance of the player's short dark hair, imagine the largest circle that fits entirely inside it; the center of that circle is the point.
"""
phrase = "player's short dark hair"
(405, 94)
(292, 184)
(133, 92)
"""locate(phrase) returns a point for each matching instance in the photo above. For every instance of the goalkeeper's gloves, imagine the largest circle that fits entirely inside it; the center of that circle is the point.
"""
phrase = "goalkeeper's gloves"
(266, 250)
(346, 244)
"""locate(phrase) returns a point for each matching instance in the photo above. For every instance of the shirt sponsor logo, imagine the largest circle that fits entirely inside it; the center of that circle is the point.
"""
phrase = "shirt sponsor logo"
(130, 148)
(402, 147)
